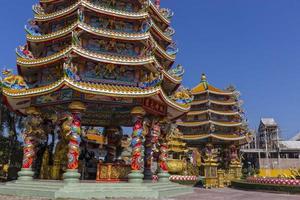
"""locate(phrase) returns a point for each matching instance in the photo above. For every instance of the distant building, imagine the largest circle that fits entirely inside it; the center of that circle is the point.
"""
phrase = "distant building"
(267, 151)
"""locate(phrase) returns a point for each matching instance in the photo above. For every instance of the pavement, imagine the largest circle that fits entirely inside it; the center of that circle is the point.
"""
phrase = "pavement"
(205, 194)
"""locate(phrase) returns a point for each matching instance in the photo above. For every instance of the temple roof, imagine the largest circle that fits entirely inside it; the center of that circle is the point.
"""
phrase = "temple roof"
(204, 87)
(201, 123)
(99, 89)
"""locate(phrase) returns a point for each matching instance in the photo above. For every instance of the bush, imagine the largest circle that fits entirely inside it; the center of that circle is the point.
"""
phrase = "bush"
(265, 187)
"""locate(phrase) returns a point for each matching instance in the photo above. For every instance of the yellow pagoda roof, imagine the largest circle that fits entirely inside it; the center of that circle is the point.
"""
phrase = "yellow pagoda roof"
(218, 102)
(229, 137)
(205, 87)
(201, 123)
(213, 111)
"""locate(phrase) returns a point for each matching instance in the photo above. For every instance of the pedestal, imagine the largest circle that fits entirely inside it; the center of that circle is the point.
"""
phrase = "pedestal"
(163, 177)
(135, 177)
(71, 176)
(237, 169)
(26, 174)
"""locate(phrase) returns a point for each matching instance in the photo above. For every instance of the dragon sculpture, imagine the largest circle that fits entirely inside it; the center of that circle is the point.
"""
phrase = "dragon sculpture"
(183, 96)
(13, 81)
(177, 71)
(32, 135)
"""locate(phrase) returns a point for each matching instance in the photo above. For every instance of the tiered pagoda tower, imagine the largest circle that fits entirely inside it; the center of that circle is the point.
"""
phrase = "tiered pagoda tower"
(96, 63)
(215, 121)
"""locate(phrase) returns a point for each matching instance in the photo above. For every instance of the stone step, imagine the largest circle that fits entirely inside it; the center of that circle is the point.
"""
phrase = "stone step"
(50, 187)
(28, 192)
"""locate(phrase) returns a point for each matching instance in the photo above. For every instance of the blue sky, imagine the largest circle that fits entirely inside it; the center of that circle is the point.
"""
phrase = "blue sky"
(252, 44)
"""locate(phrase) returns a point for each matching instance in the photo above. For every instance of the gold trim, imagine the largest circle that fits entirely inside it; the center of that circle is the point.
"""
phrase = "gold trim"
(95, 88)
(194, 124)
(227, 137)
(91, 6)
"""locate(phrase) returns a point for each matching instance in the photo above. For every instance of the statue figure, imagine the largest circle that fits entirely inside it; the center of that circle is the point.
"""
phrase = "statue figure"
(126, 150)
(151, 80)
(210, 154)
(24, 52)
(80, 14)
(234, 158)
(177, 71)
(13, 81)
(45, 168)
(172, 49)
(183, 96)
(32, 28)
(70, 69)
(33, 134)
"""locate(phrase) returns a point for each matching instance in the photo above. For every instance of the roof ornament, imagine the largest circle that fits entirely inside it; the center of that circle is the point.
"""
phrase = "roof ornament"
(169, 31)
(151, 80)
(23, 51)
(172, 49)
(38, 9)
(13, 81)
(32, 28)
(70, 69)
(177, 71)
(183, 95)
(157, 4)
(204, 81)
(167, 13)
(147, 24)
(80, 14)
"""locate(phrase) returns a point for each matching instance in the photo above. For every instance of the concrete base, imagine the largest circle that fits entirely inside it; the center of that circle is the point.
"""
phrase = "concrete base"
(71, 176)
(135, 177)
(25, 174)
(88, 190)
(163, 177)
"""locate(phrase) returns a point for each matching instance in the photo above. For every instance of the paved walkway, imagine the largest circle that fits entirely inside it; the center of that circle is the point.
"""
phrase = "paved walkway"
(209, 194)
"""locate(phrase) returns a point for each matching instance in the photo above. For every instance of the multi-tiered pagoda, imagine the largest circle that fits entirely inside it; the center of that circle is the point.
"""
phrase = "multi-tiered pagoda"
(101, 63)
(215, 122)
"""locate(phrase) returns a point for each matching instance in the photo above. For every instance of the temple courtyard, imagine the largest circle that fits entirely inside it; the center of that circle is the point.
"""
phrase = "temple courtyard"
(205, 194)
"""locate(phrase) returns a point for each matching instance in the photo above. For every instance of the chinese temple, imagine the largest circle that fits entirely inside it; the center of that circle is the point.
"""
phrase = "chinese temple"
(216, 126)
(97, 63)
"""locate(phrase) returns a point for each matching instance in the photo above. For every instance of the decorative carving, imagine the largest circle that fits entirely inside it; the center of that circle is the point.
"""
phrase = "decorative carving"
(13, 81)
(151, 80)
(32, 28)
(32, 135)
(137, 162)
(172, 49)
(70, 69)
(210, 154)
(169, 31)
(23, 51)
(234, 158)
(167, 13)
(183, 96)
(177, 71)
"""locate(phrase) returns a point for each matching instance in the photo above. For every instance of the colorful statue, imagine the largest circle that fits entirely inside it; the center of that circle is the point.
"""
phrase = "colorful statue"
(23, 51)
(151, 80)
(177, 71)
(146, 25)
(13, 81)
(126, 150)
(137, 160)
(80, 14)
(172, 49)
(210, 154)
(169, 31)
(32, 135)
(183, 96)
(163, 156)
(167, 13)
(32, 28)
(70, 69)
(234, 158)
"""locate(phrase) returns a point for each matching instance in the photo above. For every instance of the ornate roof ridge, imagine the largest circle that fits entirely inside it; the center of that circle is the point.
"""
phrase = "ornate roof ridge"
(161, 16)
(221, 137)
(218, 102)
(213, 111)
(88, 28)
(126, 60)
(96, 88)
(96, 8)
(194, 124)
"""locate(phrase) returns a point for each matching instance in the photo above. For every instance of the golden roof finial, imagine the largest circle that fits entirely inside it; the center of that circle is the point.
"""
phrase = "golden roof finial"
(203, 78)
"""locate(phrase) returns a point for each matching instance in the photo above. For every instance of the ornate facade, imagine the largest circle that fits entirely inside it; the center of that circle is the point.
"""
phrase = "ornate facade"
(101, 63)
